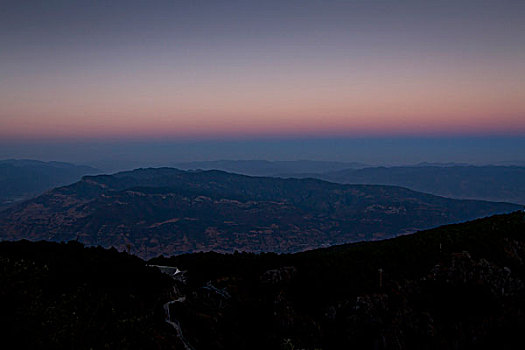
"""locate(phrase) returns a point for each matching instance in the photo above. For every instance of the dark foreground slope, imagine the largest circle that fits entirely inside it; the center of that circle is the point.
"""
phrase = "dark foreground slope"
(65, 296)
(454, 287)
(169, 211)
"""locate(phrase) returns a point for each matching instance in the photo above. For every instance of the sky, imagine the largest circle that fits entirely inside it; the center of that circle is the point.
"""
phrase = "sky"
(249, 72)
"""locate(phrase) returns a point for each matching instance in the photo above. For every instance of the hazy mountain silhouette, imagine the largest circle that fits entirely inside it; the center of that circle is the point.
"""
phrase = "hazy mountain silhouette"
(493, 183)
(269, 168)
(22, 178)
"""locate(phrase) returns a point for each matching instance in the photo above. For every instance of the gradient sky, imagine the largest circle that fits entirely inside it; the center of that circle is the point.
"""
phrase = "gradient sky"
(197, 70)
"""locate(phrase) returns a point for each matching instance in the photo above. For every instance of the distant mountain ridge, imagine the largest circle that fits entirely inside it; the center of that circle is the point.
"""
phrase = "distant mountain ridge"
(492, 183)
(170, 211)
(24, 178)
(269, 168)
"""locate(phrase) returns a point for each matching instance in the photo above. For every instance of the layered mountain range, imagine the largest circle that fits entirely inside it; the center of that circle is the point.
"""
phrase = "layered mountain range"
(455, 180)
(169, 211)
